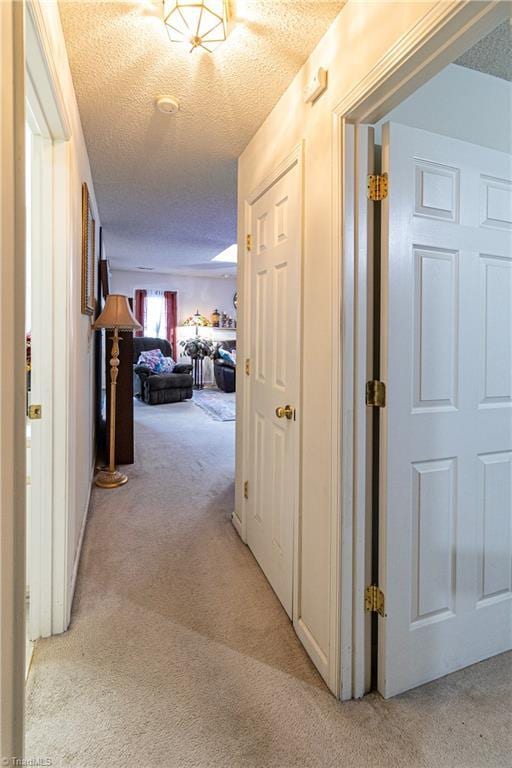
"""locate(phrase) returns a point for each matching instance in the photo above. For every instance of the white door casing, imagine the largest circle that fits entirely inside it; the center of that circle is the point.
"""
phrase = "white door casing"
(47, 114)
(39, 501)
(274, 264)
(446, 433)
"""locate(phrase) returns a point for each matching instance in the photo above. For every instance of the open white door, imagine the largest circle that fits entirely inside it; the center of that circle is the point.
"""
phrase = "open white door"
(275, 367)
(40, 395)
(446, 443)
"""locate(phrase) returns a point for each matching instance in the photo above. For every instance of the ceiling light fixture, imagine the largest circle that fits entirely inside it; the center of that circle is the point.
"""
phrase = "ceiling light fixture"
(199, 23)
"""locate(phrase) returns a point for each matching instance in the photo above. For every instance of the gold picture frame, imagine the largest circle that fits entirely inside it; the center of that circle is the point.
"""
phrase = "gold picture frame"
(88, 254)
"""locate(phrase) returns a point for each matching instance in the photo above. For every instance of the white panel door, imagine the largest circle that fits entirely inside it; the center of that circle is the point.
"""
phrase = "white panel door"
(446, 455)
(39, 319)
(275, 322)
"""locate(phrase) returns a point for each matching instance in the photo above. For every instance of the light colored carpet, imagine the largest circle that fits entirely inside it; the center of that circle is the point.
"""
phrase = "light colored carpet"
(179, 655)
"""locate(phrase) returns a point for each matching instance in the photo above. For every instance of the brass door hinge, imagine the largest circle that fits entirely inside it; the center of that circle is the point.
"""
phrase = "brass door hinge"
(247, 366)
(35, 412)
(249, 242)
(378, 187)
(374, 600)
(246, 489)
(376, 393)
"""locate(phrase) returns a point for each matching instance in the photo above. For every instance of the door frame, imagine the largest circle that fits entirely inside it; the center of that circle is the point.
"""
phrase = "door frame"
(12, 384)
(442, 34)
(48, 545)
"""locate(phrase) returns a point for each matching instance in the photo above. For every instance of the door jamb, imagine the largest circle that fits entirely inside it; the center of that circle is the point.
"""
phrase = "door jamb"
(43, 87)
(442, 34)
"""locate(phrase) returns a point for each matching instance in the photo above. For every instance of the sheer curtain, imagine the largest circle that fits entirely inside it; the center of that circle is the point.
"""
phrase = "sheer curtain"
(155, 324)
(156, 311)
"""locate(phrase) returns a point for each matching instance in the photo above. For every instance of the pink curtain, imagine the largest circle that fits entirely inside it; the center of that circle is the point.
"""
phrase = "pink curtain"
(171, 319)
(140, 309)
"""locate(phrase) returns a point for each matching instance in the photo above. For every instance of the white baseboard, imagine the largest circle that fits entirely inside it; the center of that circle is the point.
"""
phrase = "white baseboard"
(237, 523)
(78, 552)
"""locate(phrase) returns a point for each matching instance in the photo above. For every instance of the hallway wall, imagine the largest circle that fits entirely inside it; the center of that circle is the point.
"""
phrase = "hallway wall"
(81, 348)
(356, 41)
(203, 293)
(442, 106)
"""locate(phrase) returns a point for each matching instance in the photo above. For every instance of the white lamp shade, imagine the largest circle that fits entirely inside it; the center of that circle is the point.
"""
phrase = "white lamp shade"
(117, 314)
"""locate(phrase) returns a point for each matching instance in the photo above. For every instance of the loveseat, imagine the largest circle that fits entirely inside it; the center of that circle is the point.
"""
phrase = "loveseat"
(159, 388)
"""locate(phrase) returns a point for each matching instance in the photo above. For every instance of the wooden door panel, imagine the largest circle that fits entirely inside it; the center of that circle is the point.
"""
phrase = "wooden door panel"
(446, 437)
(280, 345)
(258, 509)
(494, 546)
(433, 536)
(261, 326)
(274, 279)
(436, 328)
(278, 501)
(495, 336)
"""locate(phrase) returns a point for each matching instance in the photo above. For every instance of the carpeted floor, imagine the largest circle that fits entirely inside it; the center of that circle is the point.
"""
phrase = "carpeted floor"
(179, 655)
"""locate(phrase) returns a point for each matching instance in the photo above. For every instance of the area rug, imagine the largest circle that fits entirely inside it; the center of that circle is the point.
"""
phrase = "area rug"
(217, 404)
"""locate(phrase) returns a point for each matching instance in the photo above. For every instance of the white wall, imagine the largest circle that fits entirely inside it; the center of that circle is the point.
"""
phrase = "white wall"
(203, 293)
(81, 429)
(461, 103)
(359, 37)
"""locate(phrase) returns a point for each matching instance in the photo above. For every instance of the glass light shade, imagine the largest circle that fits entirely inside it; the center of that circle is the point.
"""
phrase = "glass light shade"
(197, 319)
(200, 23)
(117, 314)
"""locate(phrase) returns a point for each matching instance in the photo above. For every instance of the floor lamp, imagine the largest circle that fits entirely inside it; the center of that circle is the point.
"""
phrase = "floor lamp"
(116, 316)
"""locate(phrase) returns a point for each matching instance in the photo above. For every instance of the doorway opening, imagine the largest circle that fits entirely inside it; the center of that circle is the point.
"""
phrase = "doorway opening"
(49, 580)
(437, 332)
(39, 335)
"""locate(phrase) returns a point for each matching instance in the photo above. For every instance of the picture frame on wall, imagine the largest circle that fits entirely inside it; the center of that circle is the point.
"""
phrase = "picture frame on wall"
(88, 254)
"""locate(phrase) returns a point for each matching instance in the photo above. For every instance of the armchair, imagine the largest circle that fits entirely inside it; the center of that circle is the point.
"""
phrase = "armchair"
(223, 370)
(158, 388)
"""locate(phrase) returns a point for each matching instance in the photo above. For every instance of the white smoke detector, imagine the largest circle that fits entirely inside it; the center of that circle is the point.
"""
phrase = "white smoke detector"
(168, 105)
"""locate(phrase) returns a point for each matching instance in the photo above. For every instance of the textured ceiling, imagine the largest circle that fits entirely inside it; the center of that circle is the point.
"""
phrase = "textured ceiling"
(492, 54)
(166, 185)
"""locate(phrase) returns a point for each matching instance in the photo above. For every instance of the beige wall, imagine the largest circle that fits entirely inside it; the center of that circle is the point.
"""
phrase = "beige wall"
(356, 41)
(203, 293)
(81, 427)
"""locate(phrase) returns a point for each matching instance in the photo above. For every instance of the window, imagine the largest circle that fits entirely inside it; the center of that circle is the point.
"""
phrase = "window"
(155, 320)
(157, 312)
